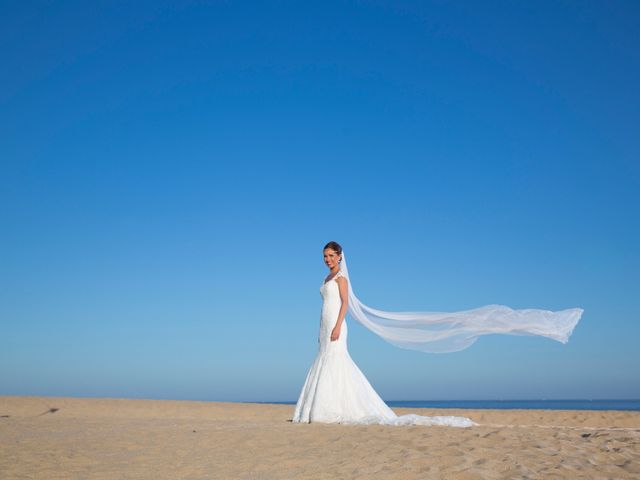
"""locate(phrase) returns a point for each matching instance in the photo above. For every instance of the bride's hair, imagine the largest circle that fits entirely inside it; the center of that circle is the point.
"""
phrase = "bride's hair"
(335, 246)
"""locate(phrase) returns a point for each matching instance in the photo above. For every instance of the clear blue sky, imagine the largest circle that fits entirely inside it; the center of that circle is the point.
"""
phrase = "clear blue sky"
(171, 171)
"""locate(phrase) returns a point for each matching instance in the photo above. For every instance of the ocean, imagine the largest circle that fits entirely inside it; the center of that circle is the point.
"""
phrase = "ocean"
(625, 405)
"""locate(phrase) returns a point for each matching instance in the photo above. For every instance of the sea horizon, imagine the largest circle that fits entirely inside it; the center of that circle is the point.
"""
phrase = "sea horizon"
(620, 404)
(500, 404)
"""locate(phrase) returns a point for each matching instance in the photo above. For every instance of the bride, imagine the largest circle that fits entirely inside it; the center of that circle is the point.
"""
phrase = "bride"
(336, 391)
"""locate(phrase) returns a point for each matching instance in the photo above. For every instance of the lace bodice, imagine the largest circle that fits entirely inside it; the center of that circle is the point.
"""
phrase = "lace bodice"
(339, 274)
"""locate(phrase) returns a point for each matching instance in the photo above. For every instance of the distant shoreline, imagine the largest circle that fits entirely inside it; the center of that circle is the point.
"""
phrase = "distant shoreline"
(623, 405)
(630, 405)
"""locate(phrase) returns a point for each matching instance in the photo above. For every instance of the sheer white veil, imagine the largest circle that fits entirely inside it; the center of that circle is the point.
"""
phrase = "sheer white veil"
(441, 332)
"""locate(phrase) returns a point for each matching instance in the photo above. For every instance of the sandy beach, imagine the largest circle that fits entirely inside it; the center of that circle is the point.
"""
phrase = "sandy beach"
(110, 438)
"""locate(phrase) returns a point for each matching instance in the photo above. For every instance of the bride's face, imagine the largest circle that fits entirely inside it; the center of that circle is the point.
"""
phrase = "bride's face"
(331, 258)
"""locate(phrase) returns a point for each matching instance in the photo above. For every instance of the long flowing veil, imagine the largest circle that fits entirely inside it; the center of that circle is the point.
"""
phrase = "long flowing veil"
(441, 332)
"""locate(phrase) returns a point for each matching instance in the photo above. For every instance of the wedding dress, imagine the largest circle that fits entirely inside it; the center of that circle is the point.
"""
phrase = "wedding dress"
(336, 391)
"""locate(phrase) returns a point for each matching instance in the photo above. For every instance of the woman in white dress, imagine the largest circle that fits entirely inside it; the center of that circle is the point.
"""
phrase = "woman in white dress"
(336, 391)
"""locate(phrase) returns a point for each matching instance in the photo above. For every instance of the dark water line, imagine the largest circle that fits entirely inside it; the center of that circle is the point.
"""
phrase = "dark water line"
(570, 404)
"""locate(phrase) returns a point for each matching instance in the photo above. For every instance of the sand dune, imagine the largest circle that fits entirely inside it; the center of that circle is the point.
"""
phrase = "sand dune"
(108, 438)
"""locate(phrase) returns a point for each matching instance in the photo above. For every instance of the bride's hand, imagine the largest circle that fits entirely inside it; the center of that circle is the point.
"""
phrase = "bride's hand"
(335, 333)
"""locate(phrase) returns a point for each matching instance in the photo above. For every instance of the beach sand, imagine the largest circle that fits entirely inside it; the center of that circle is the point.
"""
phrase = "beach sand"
(110, 438)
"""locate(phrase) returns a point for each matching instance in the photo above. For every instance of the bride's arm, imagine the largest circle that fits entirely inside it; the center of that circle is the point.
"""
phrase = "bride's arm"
(344, 296)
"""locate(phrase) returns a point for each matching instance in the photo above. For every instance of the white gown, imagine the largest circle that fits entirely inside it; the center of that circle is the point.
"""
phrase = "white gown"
(336, 391)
